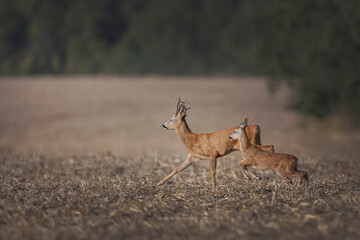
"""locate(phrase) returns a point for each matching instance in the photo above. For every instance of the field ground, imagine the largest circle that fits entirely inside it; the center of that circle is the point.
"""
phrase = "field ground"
(81, 156)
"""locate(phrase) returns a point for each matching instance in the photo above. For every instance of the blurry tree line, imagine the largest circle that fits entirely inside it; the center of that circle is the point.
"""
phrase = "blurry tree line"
(312, 45)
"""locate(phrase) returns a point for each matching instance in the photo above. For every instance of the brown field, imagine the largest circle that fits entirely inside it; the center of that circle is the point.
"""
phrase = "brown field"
(80, 158)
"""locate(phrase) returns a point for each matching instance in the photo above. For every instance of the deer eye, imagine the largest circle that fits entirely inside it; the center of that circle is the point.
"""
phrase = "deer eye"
(171, 120)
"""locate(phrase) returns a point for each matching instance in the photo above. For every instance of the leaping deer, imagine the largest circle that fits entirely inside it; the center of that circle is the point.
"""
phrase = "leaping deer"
(285, 165)
(205, 146)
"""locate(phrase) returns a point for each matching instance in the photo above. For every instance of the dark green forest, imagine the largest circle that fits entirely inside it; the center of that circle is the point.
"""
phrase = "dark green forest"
(311, 45)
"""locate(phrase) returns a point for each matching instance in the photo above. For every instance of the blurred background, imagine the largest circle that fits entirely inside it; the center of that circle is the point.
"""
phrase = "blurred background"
(226, 56)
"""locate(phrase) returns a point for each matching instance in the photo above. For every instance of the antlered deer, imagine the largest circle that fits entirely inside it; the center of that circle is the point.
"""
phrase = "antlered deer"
(205, 146)
(285, 165)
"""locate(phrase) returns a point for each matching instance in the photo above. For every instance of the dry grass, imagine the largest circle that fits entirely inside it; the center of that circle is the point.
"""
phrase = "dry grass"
(80, 160)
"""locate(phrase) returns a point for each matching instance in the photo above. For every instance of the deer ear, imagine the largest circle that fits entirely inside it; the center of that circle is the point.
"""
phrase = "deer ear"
(188, 107)
(243, 123)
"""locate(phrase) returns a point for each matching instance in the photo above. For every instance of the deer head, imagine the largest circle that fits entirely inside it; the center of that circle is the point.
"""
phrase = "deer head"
(181, 109)
(236, 133)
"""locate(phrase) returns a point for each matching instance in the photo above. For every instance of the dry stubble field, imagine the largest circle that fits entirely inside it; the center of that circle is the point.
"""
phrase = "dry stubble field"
(80, 158)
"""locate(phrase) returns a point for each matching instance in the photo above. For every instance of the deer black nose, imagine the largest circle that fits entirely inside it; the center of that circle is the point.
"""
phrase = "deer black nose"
(164, 126)
(230, 137)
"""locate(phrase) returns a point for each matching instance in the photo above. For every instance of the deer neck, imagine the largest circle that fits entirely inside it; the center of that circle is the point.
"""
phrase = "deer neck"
(186, 136)
(244, 141)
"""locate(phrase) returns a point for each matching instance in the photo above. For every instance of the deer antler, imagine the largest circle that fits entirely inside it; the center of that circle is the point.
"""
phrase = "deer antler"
(181, 107)
(177, 106)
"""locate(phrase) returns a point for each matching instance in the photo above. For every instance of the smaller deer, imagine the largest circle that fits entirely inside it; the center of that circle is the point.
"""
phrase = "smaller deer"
(284, 164)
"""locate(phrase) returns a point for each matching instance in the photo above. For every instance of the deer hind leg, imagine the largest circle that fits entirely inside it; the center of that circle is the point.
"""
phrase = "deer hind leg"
(213, 171)
(283, 174)
(287, 179)
(189, 160)
(306, 178)
(301, 175)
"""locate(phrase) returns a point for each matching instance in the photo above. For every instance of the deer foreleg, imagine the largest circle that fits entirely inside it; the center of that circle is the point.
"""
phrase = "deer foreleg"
(213, 171)
(245, 171)
(189, 160)
(213, 161)
(242, 168)
(251, 174)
